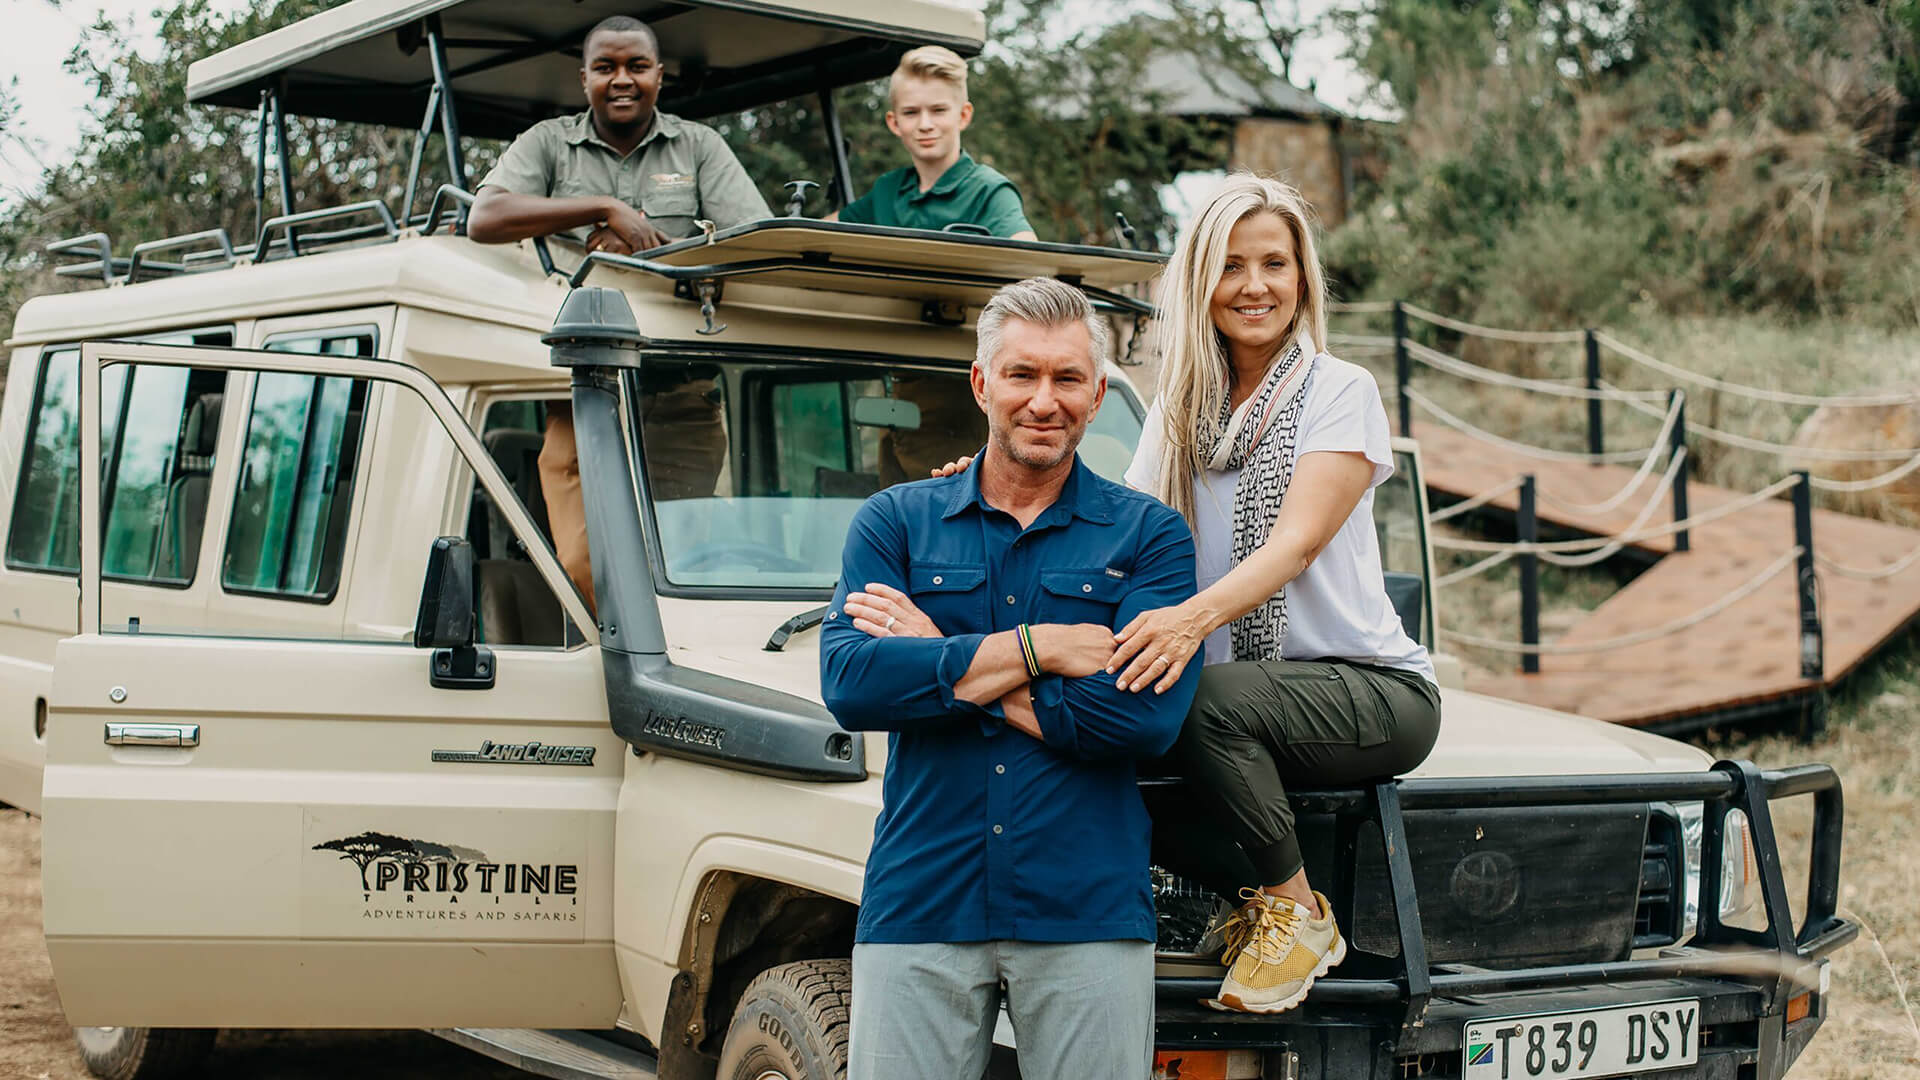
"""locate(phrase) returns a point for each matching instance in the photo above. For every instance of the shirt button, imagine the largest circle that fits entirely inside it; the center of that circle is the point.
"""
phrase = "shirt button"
(997, 830)
(937, 579)
(1009, 599)
(1086, 588)
(999, 768)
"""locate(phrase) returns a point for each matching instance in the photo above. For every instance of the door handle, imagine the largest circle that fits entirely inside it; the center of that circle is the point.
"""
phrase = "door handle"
(153, 734)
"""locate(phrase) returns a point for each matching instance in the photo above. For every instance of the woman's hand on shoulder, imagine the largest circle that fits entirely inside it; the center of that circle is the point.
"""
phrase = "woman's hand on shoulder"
(1157, 645)
(952, 467)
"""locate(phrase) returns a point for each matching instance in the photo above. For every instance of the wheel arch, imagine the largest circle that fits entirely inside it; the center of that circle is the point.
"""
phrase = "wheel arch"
(744, 906)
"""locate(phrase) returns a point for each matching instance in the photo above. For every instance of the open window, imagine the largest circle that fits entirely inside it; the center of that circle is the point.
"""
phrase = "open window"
(515, 605)
(159, 432)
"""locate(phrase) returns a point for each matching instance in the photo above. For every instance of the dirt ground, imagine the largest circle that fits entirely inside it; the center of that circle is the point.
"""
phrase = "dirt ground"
(1871, 1033)
(37, 1044)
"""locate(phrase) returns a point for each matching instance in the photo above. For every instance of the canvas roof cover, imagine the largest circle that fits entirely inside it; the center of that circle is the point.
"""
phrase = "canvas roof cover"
(513, 62)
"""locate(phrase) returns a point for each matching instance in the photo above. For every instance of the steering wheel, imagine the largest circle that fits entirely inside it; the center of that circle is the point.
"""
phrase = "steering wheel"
(757, 555)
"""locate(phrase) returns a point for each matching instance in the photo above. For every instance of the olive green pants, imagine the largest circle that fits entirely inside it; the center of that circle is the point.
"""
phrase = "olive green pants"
(1257, 728)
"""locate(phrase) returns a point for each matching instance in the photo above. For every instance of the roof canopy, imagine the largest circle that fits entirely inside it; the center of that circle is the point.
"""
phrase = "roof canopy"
(513, 62)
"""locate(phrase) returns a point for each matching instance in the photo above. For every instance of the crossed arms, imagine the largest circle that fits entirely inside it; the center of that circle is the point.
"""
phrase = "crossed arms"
(909, 676)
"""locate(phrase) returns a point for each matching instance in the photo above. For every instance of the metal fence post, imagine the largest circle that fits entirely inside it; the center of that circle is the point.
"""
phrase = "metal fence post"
(1677, 401)
(1528, 522)
(1812, 639)
(1402, 368)
(1596, 439)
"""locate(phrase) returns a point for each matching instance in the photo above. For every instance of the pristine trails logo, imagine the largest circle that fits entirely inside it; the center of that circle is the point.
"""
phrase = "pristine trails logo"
(419, 879)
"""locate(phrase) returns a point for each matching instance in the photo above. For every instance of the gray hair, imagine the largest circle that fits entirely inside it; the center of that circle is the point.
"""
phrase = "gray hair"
(1044, 302)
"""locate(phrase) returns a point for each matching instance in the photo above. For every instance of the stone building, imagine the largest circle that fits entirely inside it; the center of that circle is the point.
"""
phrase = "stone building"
(1276, 127)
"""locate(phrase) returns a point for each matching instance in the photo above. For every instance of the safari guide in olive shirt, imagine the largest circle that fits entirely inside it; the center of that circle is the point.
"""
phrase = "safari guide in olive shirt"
(621, 177)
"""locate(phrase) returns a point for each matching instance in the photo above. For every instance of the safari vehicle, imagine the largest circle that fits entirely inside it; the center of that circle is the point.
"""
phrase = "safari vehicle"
(323, 735)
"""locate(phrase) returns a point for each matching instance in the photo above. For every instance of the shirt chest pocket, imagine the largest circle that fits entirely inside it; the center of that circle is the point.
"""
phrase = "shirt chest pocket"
(672, 201)
(1082, 596)
(953, 595)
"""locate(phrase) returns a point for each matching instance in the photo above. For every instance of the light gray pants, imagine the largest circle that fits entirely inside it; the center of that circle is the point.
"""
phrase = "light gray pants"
(927, 1012)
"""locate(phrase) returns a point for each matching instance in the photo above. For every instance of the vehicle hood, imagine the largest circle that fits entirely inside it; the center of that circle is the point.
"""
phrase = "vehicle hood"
(1479, 735)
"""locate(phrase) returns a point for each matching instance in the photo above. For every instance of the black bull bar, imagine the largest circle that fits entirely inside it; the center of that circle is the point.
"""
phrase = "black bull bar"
(1770, 960)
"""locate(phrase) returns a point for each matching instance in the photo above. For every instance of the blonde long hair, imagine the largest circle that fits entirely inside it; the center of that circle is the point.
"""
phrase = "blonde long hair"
(1193, 354)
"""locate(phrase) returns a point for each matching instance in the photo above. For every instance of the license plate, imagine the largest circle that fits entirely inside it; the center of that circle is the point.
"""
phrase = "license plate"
(1620, 1041)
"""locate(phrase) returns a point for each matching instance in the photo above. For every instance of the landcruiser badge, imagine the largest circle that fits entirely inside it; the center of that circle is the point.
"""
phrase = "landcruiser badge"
(529, 753)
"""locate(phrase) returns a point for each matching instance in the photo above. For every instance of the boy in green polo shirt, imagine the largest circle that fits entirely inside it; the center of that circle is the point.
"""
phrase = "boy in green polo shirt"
(944, 185)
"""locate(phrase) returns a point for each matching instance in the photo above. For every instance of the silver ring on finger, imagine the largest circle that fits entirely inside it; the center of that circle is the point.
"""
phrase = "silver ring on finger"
(1160, 660)
(891, 619)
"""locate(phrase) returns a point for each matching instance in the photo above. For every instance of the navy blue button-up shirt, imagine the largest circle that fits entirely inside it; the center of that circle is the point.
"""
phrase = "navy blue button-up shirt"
(985, 833)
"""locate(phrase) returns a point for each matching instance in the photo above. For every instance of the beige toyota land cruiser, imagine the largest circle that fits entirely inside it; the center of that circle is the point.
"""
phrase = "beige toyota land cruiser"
(324, 736)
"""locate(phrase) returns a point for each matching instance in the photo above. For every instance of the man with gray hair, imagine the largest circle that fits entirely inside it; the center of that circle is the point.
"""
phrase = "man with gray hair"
(974, 624)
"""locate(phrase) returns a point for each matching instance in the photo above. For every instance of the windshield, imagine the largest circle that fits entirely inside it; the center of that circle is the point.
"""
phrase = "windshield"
(755, 468)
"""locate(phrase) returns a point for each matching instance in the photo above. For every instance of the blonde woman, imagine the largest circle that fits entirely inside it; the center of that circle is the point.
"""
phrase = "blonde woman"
(1270, 448)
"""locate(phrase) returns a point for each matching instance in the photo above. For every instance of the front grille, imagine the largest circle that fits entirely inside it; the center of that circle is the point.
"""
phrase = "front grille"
(1509, 887)
(1657, 917)
(1497, 888)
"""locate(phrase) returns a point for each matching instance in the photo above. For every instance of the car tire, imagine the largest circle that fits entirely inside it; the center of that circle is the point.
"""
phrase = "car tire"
(791, 1024)
(133, 1053)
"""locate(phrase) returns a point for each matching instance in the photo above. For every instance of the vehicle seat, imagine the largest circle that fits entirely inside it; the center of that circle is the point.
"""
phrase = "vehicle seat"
(516, 607)
(843, 484)
(184, 518)
(517, 452)
(1404, 591)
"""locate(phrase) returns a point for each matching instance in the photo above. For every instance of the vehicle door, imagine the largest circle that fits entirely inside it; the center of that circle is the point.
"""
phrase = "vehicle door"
(171, 419)
(257, 829)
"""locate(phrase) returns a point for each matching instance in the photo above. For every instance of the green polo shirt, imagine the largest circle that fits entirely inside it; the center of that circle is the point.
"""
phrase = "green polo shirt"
(680, 173)
(967, 192)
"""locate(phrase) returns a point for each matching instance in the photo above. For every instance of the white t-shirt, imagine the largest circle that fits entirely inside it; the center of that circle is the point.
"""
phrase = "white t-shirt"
(1338, 607)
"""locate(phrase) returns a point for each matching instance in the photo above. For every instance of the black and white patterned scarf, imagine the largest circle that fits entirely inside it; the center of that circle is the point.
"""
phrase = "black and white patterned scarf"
(1258, 438)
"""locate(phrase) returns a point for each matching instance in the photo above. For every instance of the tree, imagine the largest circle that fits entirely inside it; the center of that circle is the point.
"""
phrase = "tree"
(363, 849)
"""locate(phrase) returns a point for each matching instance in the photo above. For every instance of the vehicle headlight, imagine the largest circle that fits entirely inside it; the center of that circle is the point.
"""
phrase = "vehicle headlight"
(1739, 867)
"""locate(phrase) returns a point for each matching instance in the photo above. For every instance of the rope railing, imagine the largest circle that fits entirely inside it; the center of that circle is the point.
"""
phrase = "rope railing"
(1871, 482)
(1588, 545)
(1809, 453)
(1440, 413)
(1757, 393)
(1456, 366)
(1465, 572)
(1616, 544)
(1467, 506)
(1595, 391)
(1524, 337)
(1638, 637)
(1862, 573)
(1619, 498)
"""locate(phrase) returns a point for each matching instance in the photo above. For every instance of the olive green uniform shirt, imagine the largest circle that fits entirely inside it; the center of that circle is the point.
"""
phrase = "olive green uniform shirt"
(968, 192)
(680, 173)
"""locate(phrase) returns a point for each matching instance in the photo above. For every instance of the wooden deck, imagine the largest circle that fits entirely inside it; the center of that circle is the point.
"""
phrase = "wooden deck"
(1747, 655)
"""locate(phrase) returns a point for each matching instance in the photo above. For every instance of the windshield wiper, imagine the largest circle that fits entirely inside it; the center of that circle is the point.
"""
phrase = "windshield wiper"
(806, 620)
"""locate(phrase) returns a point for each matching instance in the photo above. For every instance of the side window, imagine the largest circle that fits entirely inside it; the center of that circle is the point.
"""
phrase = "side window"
(297, 469)
(159, 429)
(514, 603)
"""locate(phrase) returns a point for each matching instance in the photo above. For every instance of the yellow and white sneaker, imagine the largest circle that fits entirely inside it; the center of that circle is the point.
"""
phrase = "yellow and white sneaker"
(1229, 931)
(1284, 953)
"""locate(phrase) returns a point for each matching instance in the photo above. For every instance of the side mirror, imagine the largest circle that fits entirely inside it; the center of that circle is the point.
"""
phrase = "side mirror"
(445, 622)
(886, 412)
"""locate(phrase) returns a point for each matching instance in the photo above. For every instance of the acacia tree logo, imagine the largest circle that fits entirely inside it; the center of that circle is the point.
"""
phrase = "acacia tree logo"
(369, 847)
(362, 850)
